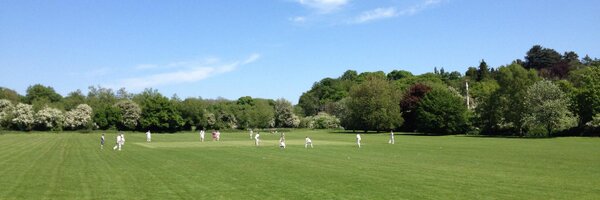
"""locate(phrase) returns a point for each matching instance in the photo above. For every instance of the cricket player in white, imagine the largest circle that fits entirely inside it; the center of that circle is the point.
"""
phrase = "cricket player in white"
(391, 138)
(122, 139)
(358, 139)
(282, 142)
(257, 138)
(202, 135)
(251, 133)
(148, 136)
(307, 142)
(118, 144)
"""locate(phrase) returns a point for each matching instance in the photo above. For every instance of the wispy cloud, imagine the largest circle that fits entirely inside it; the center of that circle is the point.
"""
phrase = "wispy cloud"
(324, 6)
(376, 14)
(298, 19)
(390, 12)
(419, 7)
(185, 72)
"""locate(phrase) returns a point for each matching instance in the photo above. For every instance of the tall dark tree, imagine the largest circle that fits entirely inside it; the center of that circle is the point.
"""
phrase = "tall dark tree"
(483, 72)
(472, 73)
(409, 103)
(539, 57)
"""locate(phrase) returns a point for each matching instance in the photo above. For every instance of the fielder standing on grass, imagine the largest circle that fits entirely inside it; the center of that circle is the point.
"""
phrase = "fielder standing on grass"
(358, 138)
(282, 142)
(148, 136)
(257, 138)
(307, 142)
(391, 138)
(251, 133)
(202, 135)
(102, 141)
(118, 144)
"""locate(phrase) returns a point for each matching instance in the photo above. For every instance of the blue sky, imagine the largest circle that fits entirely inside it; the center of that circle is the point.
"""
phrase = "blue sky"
(271, 48)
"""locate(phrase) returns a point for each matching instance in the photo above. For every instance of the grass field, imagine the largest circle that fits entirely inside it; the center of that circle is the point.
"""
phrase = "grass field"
(178, 166)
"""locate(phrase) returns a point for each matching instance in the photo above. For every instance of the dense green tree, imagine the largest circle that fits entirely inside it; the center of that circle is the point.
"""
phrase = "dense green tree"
(349, 75)
(39, 92)
(373, 105)
(192, 110)
(547, 107)
(539, 57)
(472, 74)
(587, 95)
(399, 74)
(309, 102)
(73, 99)
(513, 81)
(442, 112)
(158, 113)
(10, 95)
(102, 101)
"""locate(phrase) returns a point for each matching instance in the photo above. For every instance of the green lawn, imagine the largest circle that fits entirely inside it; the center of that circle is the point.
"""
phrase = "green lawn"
(178, 166)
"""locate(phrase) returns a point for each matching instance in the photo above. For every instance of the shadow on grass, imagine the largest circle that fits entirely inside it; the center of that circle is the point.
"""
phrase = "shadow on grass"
(505, 137)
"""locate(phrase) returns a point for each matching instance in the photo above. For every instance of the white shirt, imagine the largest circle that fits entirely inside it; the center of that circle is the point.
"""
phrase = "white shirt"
(119, 139)
(256, 136)
(202, 133)
(358, 137)
(308, 140)
(148, 134)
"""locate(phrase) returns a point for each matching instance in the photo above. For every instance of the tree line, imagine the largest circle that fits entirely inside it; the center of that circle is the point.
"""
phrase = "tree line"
(545, 94)
(102, 108)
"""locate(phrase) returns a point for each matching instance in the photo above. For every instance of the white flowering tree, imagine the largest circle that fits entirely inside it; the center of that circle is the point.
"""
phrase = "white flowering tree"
(23, 117)
(6, 113)
(548, 108)
(130, 114)
(49, 119)
(79, 118)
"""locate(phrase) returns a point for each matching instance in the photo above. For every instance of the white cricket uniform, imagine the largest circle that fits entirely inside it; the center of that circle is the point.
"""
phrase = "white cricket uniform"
(119, 143)
(391, 138)
(282, 143)
(358, 139)
(257, 139)
(251, 133)
(202, 135)
(148, 136)
(307, 142)
(122, 139)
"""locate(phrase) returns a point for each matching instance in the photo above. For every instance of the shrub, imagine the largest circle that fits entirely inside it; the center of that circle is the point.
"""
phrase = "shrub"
(6, 113)
(79, 118)
(130, 114)
(24, 117)
(321, 121)
(49, 119)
